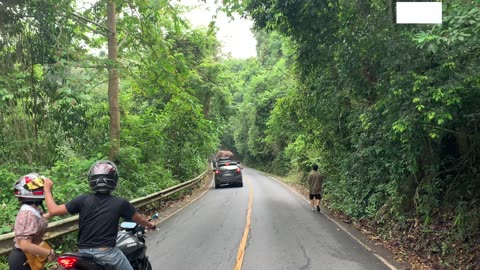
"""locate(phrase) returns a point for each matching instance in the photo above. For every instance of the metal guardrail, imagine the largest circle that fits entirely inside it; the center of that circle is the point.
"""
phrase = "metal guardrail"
(70, 224)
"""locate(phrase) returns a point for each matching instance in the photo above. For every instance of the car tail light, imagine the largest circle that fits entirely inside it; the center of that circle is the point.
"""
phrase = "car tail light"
(67, 262)
(238, 170)
(217, 171)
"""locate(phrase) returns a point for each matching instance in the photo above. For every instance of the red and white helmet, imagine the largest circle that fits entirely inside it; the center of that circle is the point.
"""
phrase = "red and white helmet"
(29, 187)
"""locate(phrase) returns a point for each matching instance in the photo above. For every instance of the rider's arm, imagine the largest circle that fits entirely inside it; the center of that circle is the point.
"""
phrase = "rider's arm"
(139, 219)
(53, 208)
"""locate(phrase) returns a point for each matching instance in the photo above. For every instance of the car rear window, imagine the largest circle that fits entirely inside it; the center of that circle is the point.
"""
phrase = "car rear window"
(228, 167)
(226, 163)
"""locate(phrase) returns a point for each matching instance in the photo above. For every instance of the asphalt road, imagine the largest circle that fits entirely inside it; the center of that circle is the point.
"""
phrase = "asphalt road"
(283, 233)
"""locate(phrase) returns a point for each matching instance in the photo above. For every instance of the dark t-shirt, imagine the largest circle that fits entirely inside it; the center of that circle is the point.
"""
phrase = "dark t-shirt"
(99, 218)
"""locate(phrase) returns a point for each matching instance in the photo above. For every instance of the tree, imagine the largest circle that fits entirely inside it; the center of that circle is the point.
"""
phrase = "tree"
(113, 82)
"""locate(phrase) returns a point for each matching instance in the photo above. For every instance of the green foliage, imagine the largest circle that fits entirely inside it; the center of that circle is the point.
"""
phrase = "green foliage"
(261, 85)
(389, 112)
(32, 90)
(54, 110)
(188, 134)
(466, 220)
(139, 177)
(4, 262)
(8, 206)
(70, 177)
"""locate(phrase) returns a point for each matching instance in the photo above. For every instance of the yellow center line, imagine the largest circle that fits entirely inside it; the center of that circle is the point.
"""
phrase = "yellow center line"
(243, 243)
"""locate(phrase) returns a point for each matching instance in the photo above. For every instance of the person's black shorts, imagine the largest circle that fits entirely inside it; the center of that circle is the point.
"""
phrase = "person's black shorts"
(316, 196)
(17, 260)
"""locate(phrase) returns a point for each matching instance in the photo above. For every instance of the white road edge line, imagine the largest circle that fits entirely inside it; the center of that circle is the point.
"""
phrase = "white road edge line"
(343, 229)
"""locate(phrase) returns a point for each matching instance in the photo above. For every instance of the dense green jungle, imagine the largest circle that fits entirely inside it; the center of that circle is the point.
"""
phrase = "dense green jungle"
(389, 112)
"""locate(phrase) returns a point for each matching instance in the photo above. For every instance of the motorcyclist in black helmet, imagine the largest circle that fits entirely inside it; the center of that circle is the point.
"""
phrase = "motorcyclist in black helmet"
(99, 214)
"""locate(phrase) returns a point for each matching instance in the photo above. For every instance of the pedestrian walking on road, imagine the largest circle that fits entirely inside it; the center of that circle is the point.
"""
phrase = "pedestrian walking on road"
(315, 181)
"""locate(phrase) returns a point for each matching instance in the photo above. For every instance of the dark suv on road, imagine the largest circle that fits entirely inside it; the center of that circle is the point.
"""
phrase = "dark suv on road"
(228, 172)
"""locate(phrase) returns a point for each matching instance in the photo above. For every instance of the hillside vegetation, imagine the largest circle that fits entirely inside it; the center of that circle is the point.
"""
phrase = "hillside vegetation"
(54, 103)
(389, 112)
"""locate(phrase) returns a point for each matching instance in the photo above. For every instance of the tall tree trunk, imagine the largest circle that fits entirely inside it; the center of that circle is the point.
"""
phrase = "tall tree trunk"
(113, 83)
(391, 6)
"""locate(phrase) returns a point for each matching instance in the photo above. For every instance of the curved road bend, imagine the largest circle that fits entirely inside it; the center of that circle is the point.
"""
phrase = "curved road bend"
(284, 233)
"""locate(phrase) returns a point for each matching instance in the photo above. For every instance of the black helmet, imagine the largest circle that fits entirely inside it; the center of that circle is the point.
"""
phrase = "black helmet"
(103, 176)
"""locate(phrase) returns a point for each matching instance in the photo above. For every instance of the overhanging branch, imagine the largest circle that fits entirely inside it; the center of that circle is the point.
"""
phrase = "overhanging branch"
(84, 19)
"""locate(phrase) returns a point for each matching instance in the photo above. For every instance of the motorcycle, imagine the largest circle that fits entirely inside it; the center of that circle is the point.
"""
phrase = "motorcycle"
(130, 240)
